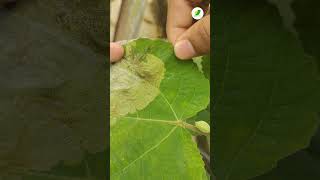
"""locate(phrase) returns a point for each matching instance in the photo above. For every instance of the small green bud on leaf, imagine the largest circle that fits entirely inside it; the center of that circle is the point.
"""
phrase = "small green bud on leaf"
(203, 126)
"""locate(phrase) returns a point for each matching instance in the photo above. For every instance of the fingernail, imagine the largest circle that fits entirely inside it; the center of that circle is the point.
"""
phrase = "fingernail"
(184, 49)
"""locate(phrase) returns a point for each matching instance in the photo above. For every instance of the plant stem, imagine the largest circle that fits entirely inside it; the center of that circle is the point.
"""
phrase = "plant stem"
(180, 123)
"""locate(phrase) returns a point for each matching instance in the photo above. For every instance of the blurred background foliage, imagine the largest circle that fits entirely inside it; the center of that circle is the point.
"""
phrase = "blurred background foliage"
(53, 89)
(302, 18)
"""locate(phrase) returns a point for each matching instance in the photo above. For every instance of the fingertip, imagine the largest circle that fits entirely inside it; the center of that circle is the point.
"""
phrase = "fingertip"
(116, 52)
(184, 50)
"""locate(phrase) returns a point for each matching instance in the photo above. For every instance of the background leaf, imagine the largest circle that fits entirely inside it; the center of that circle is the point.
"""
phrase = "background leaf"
(301, 165)
(307, 25)
(264, 107)
(52, 105)
(305, 163)
(84, 21)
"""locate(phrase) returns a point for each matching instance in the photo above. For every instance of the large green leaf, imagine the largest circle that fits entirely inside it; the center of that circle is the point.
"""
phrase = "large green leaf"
(264, 89)
(148, 143)
(304, 164)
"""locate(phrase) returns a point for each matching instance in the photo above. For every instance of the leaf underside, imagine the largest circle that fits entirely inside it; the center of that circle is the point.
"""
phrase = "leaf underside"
(145, 144)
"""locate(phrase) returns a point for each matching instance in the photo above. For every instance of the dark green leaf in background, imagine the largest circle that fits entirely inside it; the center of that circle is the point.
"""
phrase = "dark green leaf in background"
(301, 165)
(304, 164)
(85, 21)
(264, 90)
(307, 25)
(53, 83)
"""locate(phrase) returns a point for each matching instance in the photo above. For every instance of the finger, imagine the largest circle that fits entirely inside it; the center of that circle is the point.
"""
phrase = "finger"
(204, 4)
(195, 41)
(116, 52)
(179, 18)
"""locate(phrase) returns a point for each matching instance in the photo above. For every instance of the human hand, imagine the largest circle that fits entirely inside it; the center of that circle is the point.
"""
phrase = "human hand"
(189, 39)
(116, 52)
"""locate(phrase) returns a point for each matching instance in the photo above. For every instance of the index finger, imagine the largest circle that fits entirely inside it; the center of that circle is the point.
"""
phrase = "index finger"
(179, 18)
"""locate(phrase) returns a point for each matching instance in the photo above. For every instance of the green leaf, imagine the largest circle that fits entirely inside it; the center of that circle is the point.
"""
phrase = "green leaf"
(301, 165)
(264, 90)
(203, 63)
(149, 143)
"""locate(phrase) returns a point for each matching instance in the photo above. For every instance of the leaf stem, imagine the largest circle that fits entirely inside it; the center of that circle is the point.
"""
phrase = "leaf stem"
(179, 123)
(153, 120)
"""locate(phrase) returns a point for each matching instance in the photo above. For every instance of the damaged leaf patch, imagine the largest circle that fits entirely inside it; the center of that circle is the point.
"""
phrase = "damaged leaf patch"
(134, 83)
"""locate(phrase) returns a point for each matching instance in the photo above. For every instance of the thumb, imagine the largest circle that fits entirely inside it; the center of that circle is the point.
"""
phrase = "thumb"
(195, 41)
(116, 52)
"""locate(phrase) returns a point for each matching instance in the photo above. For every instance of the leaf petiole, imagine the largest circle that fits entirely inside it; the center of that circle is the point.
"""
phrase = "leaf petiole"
(179, 123)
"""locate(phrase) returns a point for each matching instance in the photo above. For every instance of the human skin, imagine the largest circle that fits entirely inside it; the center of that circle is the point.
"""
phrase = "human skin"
(116, 52)
(190, 39)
